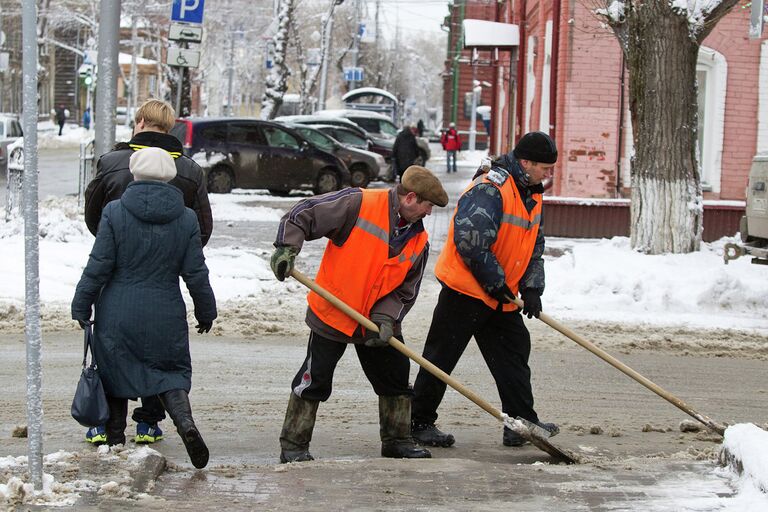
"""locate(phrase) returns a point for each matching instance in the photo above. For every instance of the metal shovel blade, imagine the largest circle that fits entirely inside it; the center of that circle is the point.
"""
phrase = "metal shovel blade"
(539, 438)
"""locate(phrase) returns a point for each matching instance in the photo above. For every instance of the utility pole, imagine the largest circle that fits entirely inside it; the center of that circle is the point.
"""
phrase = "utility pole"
(356, 43)
(326, 54)
(104, 119)
(134, 71)
(231, 73)
(32, 247)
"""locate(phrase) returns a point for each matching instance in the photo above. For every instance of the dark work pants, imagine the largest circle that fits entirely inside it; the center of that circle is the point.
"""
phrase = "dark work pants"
(386, 368)
(504, 343)
(151, 411)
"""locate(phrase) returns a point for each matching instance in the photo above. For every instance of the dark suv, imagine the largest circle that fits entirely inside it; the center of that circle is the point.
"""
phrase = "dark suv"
(249, 153)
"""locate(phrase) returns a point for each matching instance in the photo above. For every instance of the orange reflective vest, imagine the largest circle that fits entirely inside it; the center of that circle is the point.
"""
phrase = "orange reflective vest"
(360, 272)
(513, 246)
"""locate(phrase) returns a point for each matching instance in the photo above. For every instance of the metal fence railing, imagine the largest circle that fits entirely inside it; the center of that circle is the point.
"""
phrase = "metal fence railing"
(86, 169)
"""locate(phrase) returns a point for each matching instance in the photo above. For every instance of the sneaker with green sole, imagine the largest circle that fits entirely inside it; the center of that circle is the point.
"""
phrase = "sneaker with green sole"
(147, 434)
(96, 435)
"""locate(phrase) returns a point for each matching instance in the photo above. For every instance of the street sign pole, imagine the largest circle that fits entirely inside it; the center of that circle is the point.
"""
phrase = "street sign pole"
(32, 247)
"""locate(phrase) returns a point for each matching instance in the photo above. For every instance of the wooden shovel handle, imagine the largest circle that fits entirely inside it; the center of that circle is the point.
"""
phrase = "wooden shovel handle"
(605, 356)
(397, 344)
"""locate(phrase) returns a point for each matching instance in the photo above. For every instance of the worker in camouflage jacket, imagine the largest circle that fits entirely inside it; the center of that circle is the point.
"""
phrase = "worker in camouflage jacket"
(493, 251)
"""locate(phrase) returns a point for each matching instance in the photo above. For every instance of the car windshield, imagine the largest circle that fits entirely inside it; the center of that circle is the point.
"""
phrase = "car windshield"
(317, 138)
(387, 128)
(279, 139)
(350, 138)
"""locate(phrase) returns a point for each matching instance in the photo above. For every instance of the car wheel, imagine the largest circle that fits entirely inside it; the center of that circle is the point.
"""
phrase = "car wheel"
(359, 176)
(220, 180)
(279, 193)
(327, 181)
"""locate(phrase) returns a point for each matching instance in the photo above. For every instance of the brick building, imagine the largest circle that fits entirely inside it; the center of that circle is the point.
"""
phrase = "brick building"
(567, 77)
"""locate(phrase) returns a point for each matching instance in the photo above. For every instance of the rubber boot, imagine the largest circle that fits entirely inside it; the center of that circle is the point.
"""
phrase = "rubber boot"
(115, 426)
(176, 402)
(297, 429)
(395, 428)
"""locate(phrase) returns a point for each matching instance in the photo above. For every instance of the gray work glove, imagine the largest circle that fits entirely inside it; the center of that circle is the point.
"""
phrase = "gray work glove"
(282, 261)
(386, 325)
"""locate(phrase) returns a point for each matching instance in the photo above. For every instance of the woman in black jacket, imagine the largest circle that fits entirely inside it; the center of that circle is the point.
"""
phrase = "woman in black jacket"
(145, 241)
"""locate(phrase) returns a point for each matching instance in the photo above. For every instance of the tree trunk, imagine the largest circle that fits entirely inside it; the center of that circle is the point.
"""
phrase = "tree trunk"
(277, 81)
(667, 207)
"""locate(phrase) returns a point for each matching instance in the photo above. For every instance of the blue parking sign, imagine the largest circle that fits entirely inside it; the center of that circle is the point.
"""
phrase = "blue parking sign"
(187, 11)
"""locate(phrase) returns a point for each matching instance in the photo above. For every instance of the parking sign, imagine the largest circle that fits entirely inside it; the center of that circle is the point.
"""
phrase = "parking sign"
(187, 11)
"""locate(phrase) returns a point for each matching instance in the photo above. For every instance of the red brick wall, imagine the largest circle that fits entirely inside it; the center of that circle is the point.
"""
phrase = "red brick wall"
(588, 96)
(741, 100)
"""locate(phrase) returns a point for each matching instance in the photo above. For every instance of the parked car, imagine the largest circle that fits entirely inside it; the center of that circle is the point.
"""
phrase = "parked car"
(378, 126)
(364, 166)
(344, 135)
(249, 153)
(377, 145)
(10, 131)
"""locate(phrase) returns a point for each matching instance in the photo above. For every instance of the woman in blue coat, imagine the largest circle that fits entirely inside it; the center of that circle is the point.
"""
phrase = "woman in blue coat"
(145, 241)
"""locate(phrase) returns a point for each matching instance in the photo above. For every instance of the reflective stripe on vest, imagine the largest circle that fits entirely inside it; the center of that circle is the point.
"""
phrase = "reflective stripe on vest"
(513, 246)
(360, 272)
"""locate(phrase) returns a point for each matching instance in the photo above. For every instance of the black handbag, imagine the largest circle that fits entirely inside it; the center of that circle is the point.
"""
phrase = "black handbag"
(89, 407)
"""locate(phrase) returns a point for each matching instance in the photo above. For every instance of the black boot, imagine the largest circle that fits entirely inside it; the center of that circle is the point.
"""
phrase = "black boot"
(427, 434)
(176, 402)
(115, 427)
(395, 428)
(297, 429)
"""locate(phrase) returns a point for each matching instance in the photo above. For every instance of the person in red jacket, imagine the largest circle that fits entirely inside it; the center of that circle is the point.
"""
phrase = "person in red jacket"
(451, 144)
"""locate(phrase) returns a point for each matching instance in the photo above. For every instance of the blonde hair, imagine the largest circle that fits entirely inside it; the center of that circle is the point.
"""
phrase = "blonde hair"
(156, 114)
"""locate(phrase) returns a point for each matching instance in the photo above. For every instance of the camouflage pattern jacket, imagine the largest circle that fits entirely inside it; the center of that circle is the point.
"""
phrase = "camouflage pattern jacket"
(476, 226)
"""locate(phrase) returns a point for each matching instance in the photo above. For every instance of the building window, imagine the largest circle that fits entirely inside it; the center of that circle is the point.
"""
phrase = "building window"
(711, 75)
(530, 82)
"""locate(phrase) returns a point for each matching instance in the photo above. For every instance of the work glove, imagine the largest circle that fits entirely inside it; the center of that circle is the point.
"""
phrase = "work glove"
(503, 295)
(532, 299)
(82, 320)
(282, 261)
(203, 326)
(386, 325)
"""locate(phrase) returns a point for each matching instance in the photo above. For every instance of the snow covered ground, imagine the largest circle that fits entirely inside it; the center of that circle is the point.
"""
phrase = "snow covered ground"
(596, 280)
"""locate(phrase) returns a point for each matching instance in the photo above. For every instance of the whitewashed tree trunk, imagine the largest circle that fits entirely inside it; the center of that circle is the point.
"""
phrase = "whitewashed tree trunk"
(277, 81)
(661, 45)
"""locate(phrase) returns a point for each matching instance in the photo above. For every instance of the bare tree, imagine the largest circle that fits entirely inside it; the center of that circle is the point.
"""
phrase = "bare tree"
(277, 81)
(660, 40)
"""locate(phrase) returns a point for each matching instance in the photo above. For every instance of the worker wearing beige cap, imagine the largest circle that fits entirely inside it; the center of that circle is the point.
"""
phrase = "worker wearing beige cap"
(374, 262)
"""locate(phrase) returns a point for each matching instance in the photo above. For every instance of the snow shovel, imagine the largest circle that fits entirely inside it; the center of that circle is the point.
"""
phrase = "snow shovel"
(605, 356)
(531, 432)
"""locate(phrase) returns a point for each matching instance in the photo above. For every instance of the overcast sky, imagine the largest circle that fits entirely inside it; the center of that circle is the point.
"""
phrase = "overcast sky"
(424, 16)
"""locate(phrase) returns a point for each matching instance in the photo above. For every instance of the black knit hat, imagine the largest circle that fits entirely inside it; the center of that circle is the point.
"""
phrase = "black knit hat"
(536, 147)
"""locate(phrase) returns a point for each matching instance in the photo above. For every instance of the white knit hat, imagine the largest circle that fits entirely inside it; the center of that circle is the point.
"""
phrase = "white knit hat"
(153, 164)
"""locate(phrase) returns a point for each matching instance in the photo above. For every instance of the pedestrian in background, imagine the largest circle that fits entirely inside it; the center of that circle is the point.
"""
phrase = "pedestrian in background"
(61, 113)
(451, 142)
(420, 128)
(405, 151)
(374, 261)
(87, 118)
(153, 120)
(147, 240)
(493, 251)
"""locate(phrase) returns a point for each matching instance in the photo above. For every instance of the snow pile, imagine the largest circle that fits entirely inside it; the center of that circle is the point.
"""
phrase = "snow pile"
(606, 280)
(16, 491)
(745, 450)
(230, 207)
(615, 11)
(72, 135)
(63, 490)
